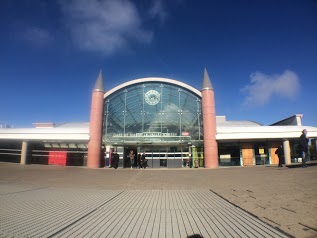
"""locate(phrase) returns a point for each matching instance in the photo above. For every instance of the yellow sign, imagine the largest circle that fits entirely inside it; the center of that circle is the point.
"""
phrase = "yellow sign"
(261, 151)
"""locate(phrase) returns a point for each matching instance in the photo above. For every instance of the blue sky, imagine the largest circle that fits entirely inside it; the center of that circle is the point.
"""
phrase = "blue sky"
(261, 55)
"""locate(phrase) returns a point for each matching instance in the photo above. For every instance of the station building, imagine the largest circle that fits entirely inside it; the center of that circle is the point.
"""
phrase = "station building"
(174, 124)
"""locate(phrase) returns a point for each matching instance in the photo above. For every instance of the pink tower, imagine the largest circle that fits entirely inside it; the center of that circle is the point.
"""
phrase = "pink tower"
(95, 128)
(209, 123)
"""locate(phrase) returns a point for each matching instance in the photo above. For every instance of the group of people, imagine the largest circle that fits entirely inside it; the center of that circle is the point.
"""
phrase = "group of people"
(140, 163)
(302, 147)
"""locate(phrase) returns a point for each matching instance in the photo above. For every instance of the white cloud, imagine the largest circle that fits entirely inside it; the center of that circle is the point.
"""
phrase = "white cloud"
(104, 26)
(157, 10)
(263, 88)
(38, 37)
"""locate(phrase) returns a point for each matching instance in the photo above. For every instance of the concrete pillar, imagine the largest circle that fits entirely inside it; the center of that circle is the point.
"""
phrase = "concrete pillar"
(190, 152)
(209, 123)
(95, 127)
(287, 152)
(24, 152)
(315, 140)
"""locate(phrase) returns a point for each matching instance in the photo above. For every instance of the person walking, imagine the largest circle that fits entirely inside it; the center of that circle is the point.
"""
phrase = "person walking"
(115, 160)
(143, 162)
(139, 160)
(303, 146)
(131, 156)
(280, 153)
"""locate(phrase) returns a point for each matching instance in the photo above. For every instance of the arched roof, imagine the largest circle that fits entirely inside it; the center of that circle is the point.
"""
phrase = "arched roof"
(153, 79)
(152, 105)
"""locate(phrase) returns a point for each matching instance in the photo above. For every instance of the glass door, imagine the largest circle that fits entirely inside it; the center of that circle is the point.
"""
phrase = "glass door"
(167, 157)
(261, 153)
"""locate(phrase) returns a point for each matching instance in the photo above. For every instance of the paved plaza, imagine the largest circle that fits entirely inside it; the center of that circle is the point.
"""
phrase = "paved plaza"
(261, 201)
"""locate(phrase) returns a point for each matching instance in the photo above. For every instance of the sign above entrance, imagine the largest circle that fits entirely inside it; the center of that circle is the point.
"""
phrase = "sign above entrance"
(152, 97)
(145, 134)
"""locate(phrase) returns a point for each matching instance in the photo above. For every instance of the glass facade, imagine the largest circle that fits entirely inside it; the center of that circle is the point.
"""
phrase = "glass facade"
(152, 113)
(229, 154)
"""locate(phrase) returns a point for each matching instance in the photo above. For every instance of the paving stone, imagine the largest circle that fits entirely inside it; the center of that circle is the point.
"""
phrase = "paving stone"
(73, 212)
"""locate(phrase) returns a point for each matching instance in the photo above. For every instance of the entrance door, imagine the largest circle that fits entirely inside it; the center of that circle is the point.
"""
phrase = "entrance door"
(261, 153)
(166, 157)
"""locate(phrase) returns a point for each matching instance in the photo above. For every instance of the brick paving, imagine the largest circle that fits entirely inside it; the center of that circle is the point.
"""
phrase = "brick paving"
(52, 201)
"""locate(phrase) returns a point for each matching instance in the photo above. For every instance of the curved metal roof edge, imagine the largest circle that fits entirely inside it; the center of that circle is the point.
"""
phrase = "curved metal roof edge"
(243, 129)
(153, 79)
(73, 124)
(223, 133)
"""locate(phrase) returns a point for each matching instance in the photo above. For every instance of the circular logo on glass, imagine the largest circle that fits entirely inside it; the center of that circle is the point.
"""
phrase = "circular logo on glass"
(152, 97)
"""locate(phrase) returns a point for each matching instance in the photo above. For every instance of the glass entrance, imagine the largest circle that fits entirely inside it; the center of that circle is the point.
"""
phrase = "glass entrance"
(261, 153)
(166, 157)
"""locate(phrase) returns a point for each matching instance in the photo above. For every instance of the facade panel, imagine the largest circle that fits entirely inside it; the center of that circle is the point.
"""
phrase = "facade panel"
(152, 112)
